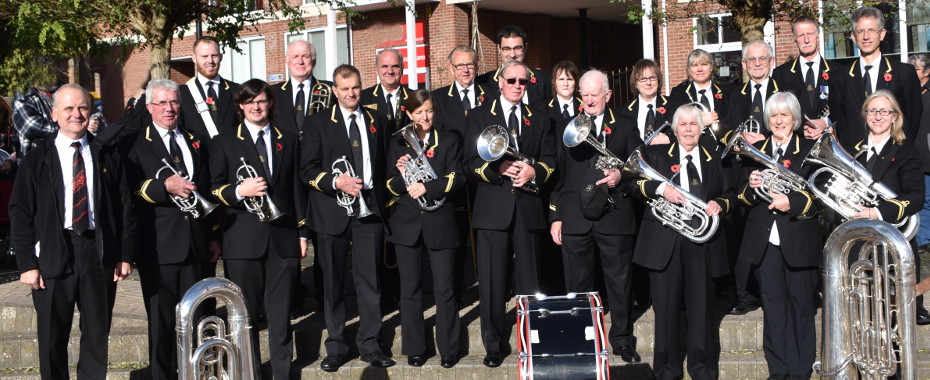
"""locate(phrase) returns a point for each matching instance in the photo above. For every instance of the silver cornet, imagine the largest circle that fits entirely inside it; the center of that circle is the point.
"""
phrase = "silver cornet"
(261, 206)
(340, 166)
(578, 130)
(417, 169)
(494, 143)
(195, 205)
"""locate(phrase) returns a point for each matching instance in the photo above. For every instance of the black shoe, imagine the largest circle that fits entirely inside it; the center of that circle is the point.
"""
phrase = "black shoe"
(628, 354)
(416, 360)
(740, 308)
(448, 361)
(331, 363)
(378, 359)
(492, 359)
(923, 317)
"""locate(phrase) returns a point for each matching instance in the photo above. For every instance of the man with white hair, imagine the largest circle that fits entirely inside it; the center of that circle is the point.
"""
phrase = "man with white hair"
(808, 76)
(303, 90)
(389, 97)
(749, 101)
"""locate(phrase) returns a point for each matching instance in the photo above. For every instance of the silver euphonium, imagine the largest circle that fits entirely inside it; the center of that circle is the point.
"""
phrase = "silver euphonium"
(674, 216)
(340, 166)
(262, 206)
(320, 98)
(578, 130)
(494, 143)
(869, 306)
(223, 349)
(195, 205)
(850, 186)
(417, 169)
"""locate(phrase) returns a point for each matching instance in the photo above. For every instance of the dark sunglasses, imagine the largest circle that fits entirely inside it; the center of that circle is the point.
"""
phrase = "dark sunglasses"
(522, 81)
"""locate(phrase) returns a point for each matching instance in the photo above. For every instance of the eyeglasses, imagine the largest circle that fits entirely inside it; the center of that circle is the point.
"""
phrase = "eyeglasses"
(868, 32)
(163, 104)
(762, 59)
(256, 103)
(522, 81)
(648, 79)
(463, 66)
(883, 112)
(508, 49)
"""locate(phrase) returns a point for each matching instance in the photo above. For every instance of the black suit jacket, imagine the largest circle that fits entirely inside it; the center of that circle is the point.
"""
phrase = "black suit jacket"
(686, 92)
(740, 105)
(539, 89)
(244, 236)
(898, 167)
(325, 141)
(922, 142)
(553, 110)
(801, 240)
(574, 165)
(286, 118)
(495, 196)
(408, 220)
(849, 94)
(450, 114)
(655, 242)
(171, 236)
(37, 211)
(790, 76)
(225, 108)
(665, 109)
(374, 98)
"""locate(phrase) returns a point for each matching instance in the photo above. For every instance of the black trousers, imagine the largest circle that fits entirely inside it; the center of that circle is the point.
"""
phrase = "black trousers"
(616, 254)
(496, 250)
(684, 286)
(448, 326)
(366, 239)
(163, 285)
(90, 286)
(267, 284)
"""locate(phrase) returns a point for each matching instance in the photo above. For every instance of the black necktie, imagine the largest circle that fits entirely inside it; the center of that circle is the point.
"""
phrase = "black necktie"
(811, 84)
(390, 107)
(779, 152)
(212, 95)
(565, 114)
(600, 131)
(262, 151)
(757, 103)
(79, 217)
(512, 122)
(867, 80)
(870, 163)
(704, 99)
(465, 103)
(650, 120)
(694, 179)
(299, 104)
(356, 140)
(177, 159)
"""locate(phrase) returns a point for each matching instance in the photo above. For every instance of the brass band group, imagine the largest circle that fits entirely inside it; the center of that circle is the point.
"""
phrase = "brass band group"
(663, 195)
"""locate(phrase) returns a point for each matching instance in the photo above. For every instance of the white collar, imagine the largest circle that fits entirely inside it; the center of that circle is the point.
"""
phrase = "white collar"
(815, 60)
(63, 142)
(203, 81)
(878, 146)
(253, 129)
(459, 88)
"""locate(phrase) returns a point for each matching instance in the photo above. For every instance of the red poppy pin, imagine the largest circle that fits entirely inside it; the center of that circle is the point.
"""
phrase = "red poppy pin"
(279, 146)
(480, 99)
(661, 110)
(316, 92)
(892, 159)
(196, 144)
(526, 121)
(825, 76)
(887, 77)
(786, 163)
(532, 79)
(607, 130)
(430, 153)
(372, 129)
(581, 107)
(403, 108)
(675, 168)
(209, 100)
(718, 96)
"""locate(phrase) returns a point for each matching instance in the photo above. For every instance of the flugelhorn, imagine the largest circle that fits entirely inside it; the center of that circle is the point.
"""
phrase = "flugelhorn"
(675, 216)
(849, 187)
(261, 206)
(340, 166)
(195, 205)
(417, 169)
(494, 143)
(578, 130)
(775, 178)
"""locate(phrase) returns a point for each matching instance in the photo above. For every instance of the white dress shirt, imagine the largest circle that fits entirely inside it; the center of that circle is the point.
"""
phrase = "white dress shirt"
(253, 133)
(643, 111)
(307, 91)
(774, 237)
(708, 92)
(873, 71)
(505, 104)
(203, 83)
(393, 99)
(367, 181)
(65, 159)
(562, 103)
(815, 67)
(683, 169)
(166, 135)
(471, 93)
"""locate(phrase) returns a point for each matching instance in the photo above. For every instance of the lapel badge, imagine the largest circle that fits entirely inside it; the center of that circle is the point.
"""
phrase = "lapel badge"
(694, 182)
(177, 159)
(355, 144)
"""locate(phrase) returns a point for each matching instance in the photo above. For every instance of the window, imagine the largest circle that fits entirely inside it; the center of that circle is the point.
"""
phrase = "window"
(250, 63)
(717, 35)
(918, 19)
(318, 39)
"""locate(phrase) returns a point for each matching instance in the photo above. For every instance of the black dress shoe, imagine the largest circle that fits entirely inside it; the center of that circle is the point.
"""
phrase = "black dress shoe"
(492, 359)
(740, 308)
(923, 317)
(416, 360)
(331, 363)
(628, 354)
(448, 361)
(378, 359)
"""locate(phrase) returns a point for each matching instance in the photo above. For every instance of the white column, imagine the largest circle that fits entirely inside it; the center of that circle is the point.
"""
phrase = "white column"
(902, 29)
(411, 45)
(332, 55)
(648, 36)
(668, 89)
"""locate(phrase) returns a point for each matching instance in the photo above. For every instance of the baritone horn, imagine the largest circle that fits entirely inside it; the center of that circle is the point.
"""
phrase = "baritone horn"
(494, 143)
(340, 166)
(417, 169)
(578, 130)
(869, 306)
(223, 349)
(261, 206)
(195, 205)
(320, 98)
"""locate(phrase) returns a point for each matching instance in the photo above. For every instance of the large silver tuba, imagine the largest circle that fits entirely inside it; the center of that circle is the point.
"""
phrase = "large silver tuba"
(195, 205)
(320, 98)
(674, 216)
(417, 169)
(342, 165)
(849, 187)
(578, 131)
(869, 307)
(494, 143)
(223, 349)
(262, 206)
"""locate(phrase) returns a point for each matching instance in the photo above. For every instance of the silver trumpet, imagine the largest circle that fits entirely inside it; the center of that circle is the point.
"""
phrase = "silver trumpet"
(417, 169)
(223, 349)
(849, 187)
(195, 205)
(340, 166)
(578, 130)
(674, 216)
(262, 206)
(494, 143)
(869, 306)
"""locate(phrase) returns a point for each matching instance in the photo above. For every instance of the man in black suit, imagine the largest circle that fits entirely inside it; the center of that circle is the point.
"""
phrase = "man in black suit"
(511, 45)
(73, 231)
(509, 220)
(261, 252)
(357, 135)
(611, 231)
(206, 99)
(871, 72)
(453, 102)
(749, 100)
(298, 96)
(808, 76)
(171, 252)
(389, 97)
